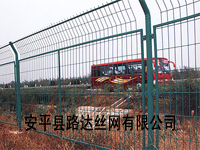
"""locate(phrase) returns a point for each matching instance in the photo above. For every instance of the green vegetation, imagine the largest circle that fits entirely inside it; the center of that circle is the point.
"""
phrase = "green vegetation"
(34, 96)
(181, 97)
(7, 100)
(186, 73)
(50, 82)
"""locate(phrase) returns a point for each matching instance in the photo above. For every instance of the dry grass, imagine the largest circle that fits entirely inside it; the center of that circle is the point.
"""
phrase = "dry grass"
(186, 135)
(33, 140)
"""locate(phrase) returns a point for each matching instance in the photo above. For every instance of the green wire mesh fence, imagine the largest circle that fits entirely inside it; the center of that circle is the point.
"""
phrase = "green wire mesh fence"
(177, 39)
(7, 100)
(93, 78)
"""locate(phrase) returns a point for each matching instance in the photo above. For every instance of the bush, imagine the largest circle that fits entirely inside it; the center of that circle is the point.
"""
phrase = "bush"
(6, 86)
(52, 83)
(75, 81)
(184, 96)
(7, 99)
(186, 73)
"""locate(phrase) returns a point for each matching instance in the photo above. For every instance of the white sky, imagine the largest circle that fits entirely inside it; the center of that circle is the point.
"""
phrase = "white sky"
(20, 18)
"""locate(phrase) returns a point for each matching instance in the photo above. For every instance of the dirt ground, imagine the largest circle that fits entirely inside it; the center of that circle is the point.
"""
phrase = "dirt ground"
(11, 139)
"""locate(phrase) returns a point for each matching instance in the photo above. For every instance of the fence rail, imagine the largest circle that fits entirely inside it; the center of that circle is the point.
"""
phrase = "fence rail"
(48, 75)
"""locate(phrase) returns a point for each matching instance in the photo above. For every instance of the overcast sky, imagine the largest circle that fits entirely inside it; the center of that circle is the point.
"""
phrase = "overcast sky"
(20, 18)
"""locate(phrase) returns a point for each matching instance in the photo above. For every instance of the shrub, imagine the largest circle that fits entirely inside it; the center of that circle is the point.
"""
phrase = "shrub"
(6, 86)
(186, 73)
(75, 81)
(52, 83)
(184, 96)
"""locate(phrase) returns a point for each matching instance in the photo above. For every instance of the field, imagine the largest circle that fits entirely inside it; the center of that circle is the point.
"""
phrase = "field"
(81, 102)
(11, 139)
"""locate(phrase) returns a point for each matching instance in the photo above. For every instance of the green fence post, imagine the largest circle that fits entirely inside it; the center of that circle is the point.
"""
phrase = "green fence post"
(157, 89)
(149, 72)
(143, 85)
(59, 87)
(17, 87)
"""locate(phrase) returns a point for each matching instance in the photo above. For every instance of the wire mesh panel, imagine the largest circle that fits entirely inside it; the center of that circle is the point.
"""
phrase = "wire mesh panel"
(82, 79)
(110, 19)
(7, 86)
(86, 79)
(39, 89)
(177, 71)
(89, 112)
